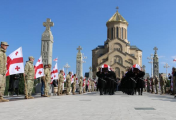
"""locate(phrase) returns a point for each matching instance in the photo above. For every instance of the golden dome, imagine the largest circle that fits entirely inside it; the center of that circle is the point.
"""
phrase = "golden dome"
(117, 18)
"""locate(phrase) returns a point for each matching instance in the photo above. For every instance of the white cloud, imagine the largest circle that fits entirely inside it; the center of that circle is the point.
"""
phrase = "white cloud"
(174, 57)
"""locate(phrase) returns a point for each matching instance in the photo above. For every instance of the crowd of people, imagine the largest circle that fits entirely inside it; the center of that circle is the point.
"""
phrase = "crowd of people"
(131, 83)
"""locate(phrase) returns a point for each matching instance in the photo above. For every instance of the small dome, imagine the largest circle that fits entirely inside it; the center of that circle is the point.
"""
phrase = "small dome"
(117, 18)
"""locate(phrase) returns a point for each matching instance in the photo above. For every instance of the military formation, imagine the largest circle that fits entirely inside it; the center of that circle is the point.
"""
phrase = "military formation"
(133, 81)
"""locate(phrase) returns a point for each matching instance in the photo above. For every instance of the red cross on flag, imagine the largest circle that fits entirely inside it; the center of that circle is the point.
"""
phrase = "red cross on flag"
(39, 71)
(15, 62)
(54, 73)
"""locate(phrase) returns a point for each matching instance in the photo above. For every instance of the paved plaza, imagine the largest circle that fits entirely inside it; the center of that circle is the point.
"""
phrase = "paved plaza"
(91, 106)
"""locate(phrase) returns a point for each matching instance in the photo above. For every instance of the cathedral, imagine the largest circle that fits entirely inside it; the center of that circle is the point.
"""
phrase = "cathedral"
(116, 51)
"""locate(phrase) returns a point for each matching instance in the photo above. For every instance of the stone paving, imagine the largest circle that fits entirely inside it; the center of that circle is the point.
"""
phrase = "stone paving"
(91, 106)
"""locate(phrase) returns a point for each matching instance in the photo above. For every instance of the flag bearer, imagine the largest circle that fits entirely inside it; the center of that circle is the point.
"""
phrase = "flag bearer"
(3, 61)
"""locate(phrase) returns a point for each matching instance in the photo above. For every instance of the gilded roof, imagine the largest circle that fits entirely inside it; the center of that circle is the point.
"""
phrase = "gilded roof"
(117, 18)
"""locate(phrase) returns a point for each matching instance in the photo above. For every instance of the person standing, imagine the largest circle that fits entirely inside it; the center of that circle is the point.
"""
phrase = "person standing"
(80, 85)
(156, 84)
(3, 59)
(68, 82)
(162, 82)
(74, 84)
(60, 82)
(174, 80)
(47, 72)
(29, 76)
(152, 85)
(148, 84)
(43, 83)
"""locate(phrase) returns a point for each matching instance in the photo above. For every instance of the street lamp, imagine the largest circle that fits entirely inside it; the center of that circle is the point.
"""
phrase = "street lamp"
(66, 67)
(83, 61)
(151, 62)
(166, 66)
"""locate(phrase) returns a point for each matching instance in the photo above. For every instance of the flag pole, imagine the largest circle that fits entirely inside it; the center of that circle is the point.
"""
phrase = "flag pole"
(26, 93)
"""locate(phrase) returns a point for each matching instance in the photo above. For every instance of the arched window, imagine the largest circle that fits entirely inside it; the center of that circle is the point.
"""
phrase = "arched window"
(118, 46)
(117, 32)
(118, 59)
(122, 33)
(117, 71)
(112, 33)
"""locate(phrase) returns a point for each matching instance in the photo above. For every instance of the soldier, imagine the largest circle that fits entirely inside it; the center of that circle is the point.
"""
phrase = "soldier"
(92, 85)
(84, 85)
(29, 76)
(47, 72)
(80, 85)
(152, 84)
(74, 85)
(43, 83)
(156, 84)
(162, 83)
(68, 82)
(60, 82)
(148, 84)
(3, 59)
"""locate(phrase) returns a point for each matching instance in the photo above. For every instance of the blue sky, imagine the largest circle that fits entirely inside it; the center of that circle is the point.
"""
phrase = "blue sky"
(83, 22)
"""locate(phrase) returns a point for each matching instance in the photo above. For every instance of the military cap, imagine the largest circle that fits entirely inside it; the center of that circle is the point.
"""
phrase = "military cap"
(4, 43)
(31, 57)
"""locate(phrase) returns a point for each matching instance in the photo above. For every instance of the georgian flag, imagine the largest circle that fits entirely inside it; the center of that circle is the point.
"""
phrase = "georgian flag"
(84, 81)
(55, 59)
(39, 71)
(174, 60)
(88, 82)
(54, 73)
(64, 76)
(15, 62)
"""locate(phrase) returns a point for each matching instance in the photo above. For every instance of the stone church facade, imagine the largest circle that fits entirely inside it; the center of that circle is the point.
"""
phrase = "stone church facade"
(116, 51)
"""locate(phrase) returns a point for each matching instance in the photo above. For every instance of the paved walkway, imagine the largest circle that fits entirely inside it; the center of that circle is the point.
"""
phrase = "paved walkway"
(91, 106)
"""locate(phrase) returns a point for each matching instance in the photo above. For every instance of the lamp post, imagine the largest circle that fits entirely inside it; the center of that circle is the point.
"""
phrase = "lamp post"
(83, 61)
(166, 66)
(66, 67)
(151, 62)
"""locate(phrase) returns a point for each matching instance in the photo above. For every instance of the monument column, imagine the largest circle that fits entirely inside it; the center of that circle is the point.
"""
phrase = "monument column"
(47, 43)
(155, 63)
(79, 63)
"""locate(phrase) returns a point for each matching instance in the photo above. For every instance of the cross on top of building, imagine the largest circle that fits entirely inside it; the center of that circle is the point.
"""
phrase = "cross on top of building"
(79, 49)
(90, 68)
(155, 48)
(48, 24)
(117, 8)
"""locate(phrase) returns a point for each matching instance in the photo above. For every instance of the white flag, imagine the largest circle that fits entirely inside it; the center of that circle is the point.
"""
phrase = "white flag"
(39, 71)
(54, 73)
(15, 62)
